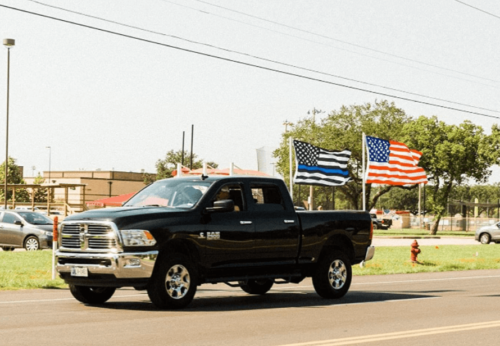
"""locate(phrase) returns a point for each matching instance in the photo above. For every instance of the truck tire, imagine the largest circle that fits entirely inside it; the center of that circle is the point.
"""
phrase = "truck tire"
(173, 285)
(257, 286)
(333, 276)
(92, 295)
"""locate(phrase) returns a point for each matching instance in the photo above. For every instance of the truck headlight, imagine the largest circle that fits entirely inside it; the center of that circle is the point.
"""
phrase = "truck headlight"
(137, 237)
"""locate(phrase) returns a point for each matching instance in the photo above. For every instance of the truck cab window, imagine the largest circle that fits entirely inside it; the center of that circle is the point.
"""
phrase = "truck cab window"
(267, 197)
(232, 192)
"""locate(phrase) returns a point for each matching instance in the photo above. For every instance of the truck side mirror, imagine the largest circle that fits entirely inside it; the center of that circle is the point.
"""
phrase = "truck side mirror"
(18, 223)
(221, 206)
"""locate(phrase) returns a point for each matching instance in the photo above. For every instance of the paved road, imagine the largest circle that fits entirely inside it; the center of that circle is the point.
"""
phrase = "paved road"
(452, 308)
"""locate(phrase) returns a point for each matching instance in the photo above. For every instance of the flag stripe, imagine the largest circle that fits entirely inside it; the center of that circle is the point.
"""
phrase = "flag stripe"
(303, 168)
(320, 179)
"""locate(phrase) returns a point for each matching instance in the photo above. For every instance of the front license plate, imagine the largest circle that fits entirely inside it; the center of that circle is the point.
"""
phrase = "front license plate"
(79, 271)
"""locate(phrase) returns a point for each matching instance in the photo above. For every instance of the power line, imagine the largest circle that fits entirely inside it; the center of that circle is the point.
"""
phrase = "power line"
(348, 50)
(337, 40)
(245, 63)
(478, 9)
(259, 58)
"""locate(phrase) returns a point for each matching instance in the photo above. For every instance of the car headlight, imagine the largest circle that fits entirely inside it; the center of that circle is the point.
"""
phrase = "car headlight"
(137, 237)
(46, 232)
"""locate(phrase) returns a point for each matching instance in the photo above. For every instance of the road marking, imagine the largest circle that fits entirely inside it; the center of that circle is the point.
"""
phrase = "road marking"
(427, 280)
(59, 299)
(382, 301)
(400, 335)
(397, 282)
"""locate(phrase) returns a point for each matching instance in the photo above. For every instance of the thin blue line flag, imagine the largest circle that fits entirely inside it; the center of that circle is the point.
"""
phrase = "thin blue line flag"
(317, 166)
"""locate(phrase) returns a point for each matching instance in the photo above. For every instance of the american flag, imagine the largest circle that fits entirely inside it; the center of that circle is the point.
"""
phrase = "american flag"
(392, 163)
(317, 166)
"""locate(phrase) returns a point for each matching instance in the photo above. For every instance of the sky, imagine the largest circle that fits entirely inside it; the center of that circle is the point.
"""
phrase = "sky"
(236, 70)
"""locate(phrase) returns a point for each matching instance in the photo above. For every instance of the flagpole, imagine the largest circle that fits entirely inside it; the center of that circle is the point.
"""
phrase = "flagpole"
(363, 169)
(291, 167)
(419, 209)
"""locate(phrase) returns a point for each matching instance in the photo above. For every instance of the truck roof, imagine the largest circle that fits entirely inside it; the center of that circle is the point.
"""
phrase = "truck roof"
(223, 177)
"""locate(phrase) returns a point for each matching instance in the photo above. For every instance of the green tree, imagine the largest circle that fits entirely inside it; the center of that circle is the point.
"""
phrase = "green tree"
(40, 194)
(343, 129)
(14, 176)
(452, 155)
(165, 167)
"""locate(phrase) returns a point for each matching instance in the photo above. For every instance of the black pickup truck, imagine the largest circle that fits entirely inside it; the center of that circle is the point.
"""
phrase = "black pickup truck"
(179, 233)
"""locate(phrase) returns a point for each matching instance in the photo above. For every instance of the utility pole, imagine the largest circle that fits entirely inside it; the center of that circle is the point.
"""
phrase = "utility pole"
(287, 123)
(192, 136)
(182, 159)
(311, 188)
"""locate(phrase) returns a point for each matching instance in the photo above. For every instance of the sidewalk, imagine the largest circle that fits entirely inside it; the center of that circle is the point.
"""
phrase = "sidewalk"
(386, 241)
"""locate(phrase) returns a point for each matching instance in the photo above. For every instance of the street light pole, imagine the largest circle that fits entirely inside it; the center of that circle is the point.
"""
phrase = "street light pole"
(49, 195)
(50, 155)
(9, 43)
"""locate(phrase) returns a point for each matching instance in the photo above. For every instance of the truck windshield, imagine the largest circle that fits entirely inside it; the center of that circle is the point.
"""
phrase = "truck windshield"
(170, 193)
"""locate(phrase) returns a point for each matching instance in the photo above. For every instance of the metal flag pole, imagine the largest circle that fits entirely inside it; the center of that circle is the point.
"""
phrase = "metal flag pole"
(291, 167)
(363, 170)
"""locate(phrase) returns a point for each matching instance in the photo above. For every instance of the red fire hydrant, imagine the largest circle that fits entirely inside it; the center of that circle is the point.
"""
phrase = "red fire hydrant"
(414, 251)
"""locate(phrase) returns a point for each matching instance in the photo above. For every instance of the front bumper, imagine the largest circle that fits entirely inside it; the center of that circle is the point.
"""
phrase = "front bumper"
(370, 252)
(127, 265)
(45, 241)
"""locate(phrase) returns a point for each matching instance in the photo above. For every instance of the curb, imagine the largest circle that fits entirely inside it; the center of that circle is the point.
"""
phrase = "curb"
(406, 237)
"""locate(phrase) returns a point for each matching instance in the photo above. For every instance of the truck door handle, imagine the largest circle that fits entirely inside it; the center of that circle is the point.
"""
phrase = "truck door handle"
(289, 221)
(245, 222)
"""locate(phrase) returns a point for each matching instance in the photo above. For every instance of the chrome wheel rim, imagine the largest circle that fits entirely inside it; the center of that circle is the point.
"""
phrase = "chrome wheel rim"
(337, 274)
(32, 244)
(177, 282)
(485, 239)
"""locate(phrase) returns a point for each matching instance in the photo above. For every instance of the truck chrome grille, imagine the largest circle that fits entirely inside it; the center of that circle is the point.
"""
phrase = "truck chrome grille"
(84, 236)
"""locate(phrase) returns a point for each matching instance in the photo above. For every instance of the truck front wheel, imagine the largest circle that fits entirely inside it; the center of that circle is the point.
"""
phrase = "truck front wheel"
(333, 276)
(256, 286)
(91, 295)
(173, 286)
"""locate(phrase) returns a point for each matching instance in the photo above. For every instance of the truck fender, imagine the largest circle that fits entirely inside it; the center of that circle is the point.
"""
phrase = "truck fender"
(179, 246)
(339, 242)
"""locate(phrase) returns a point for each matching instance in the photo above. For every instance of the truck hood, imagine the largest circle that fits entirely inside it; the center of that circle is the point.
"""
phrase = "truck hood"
(110, 214)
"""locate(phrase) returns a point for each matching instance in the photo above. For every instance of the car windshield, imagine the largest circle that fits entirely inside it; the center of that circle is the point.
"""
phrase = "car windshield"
(170, 193)
(35, 218)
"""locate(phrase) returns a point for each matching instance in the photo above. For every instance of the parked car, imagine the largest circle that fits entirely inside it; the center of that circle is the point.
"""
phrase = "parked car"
(487, 234)
(380, 223)
(26, 208)
(27, 229)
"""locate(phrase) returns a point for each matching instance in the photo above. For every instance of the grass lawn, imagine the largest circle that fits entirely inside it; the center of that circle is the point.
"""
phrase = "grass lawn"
(396, 259)
(28, 270)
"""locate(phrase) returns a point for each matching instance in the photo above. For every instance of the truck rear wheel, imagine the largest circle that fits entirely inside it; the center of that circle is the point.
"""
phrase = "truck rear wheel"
(92, 295)
(257, 286)
(333, 276)
(173, 285)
